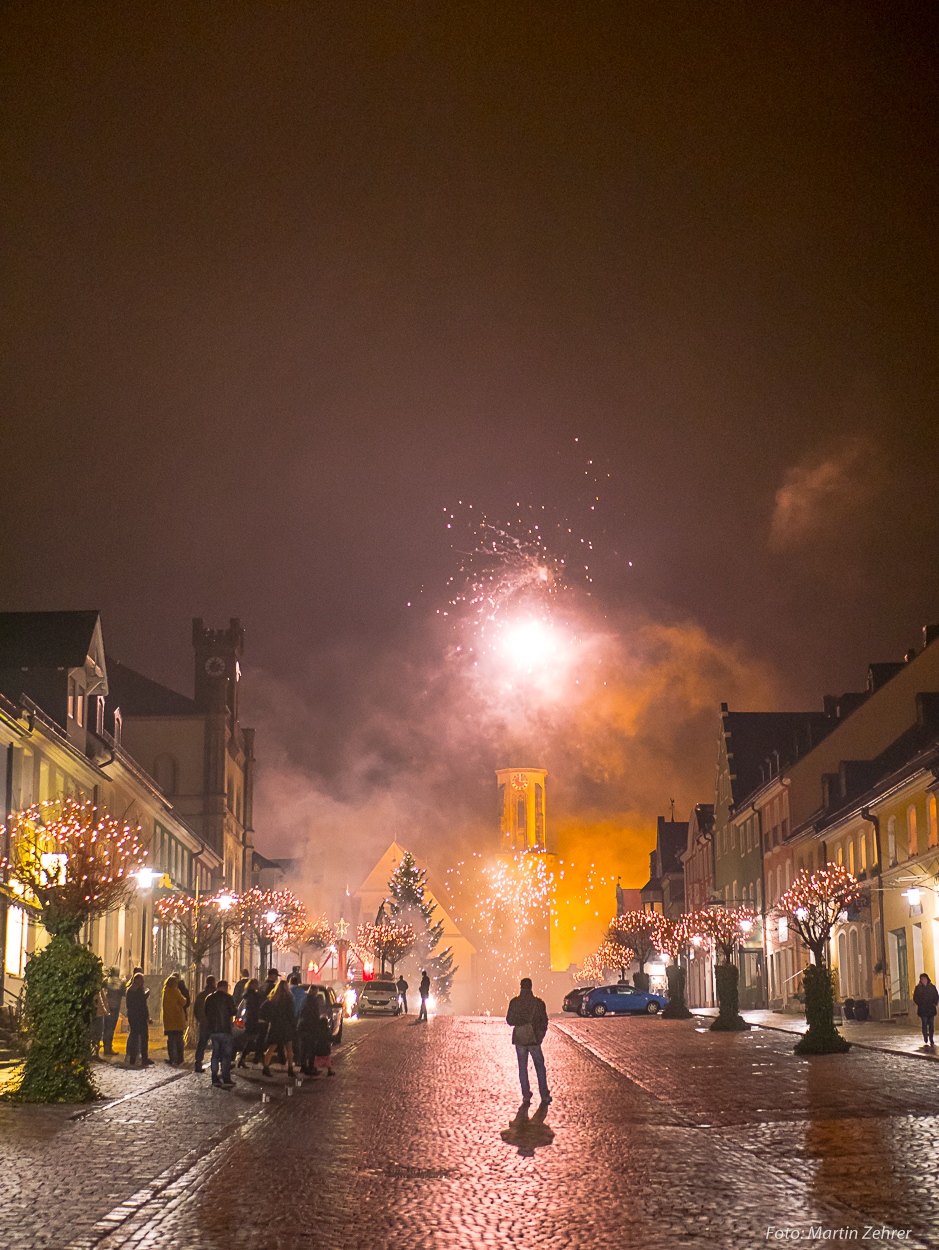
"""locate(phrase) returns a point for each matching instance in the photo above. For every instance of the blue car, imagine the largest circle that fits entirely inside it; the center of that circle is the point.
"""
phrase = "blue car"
(611, 1000)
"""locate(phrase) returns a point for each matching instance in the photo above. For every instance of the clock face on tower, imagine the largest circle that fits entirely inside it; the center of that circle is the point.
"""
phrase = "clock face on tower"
(215, 666)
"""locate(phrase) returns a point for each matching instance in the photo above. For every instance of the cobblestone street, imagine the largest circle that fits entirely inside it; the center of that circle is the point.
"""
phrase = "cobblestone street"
(661, 1134)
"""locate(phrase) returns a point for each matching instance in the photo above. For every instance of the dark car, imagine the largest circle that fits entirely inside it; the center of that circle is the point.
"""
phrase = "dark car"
(573, 1000)
(615, 1000)
(335, 1009)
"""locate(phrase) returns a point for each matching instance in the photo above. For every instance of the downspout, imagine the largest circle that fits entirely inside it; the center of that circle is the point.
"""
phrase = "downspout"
(869, 816)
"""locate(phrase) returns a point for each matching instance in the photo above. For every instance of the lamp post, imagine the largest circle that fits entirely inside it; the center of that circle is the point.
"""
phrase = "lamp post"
(144, 885)
(224, 903)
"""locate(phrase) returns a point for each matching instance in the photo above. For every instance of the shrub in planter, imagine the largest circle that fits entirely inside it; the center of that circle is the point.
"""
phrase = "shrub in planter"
(729, 1019)
(62, 982)
(677, 1008)
(847, 1008)
(821, 1037)
(862, 1009)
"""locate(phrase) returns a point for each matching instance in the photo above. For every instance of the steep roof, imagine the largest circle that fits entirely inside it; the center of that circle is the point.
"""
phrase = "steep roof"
(137, 695)
(752, 737)
(671, 840)
(48, 640)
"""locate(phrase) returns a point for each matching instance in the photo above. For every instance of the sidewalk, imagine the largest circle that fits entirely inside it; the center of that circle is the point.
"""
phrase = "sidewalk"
(899, 1038)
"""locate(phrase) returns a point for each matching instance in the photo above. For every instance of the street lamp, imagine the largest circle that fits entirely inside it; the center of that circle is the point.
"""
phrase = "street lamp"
(145, 877)
(224, 902)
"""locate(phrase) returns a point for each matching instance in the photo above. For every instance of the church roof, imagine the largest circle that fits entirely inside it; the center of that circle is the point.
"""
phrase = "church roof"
(137, 695)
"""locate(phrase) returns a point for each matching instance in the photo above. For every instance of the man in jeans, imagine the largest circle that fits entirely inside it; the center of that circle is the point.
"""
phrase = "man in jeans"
(529, 1019)
(114, 993)
(199, 1012)
(219, 1014)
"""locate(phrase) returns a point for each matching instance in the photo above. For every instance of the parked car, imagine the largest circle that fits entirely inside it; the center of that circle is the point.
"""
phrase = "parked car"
(573, 1000)
(335, 1009)
(377, 998)
(610, 1000)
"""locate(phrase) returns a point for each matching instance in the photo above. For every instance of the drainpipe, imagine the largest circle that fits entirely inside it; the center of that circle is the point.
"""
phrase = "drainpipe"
(869, 816)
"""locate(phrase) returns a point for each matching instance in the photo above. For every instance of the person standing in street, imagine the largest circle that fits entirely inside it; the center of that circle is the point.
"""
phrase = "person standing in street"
(278, 1011)
(529, 1019)
(297, 992)
(199, 1012)
(174, 1019)
(265, 991)
(926, 998)
(403, 994)
(138, 1019)
(114, 991)
(250, 1005)
(241, 985)
(220, 1015)
(424, 992)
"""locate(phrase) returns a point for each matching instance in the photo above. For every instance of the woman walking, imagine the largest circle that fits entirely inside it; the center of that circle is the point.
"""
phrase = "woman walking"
(174, 1019)
(278, 1010)
(138, 1020)
(926, 998)
(249, 1009)
(323, 1037)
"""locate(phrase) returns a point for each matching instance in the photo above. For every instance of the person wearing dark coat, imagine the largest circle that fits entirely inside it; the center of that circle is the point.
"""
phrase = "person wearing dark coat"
(220, 1016)
(529, 1019)
(114, 990)
(424, 991)
(403, 993)
(279, 1013)
(266, 989)
(241, 985)
(307, 1026)
(199, 1013)
(138, 1020)
(250, 1006)
(926, 998)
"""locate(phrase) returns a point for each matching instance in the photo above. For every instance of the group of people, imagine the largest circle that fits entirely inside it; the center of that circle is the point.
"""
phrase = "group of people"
(253, 1021)
(424, 992)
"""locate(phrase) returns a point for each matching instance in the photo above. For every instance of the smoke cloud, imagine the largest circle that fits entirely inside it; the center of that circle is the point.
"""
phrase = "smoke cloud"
(821, 496)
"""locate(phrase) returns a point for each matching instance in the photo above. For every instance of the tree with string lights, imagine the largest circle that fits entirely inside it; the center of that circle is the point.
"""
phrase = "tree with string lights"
(615, 957)
(303, 935)
(201, 922)
(69, 862)
(591, 970)
(813, 905)
(724, 928)
(673, 941)
(639, 932)
(408, 890)
(389, 943)
(267, 916)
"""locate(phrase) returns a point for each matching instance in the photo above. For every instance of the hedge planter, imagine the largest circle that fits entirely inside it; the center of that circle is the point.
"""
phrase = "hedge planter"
(821, 1037)
(641, 981)
(62, 982)
(729, 1019)
(677, 1008)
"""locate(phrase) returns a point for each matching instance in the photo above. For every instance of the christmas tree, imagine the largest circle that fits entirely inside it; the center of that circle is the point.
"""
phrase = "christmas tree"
(408, 888)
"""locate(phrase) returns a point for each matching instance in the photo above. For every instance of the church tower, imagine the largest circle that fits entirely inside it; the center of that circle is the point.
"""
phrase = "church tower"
(524, 826)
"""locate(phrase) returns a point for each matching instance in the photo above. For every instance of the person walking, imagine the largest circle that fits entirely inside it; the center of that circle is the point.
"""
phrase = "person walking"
(250, 1006)
(138, 1019)
(424, 992)
(219, 1016)
(265, 991)
(323, 1037)
(278, 1010)
(403, 993)
(926, 998)
(529, 1019)
(114, 990)
(241, 985)
(307, 1022)
(174, 1019)
(199, 1012)
(97, 1027)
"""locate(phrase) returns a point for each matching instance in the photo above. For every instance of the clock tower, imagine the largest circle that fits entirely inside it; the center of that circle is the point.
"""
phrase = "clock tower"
(217, 658)
(524, 818)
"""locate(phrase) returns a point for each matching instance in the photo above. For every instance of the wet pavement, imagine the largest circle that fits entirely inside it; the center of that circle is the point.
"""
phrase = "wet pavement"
(902, 1035)
(661, 1134)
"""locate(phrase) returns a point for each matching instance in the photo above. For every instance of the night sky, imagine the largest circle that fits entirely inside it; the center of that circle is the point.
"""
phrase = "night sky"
(284, 281)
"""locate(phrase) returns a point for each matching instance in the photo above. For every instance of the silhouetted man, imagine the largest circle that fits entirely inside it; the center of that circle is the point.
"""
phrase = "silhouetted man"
(424, 992)
(403, 994)
(529, 1019)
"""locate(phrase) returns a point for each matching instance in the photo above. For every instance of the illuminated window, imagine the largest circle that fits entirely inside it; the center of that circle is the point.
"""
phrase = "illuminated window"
(862, 842)
(851, 863)
(79, 706)
(15, 957)
(71, 698)
(932, 814)
(911, 842)
(892, 840)
(839, 854)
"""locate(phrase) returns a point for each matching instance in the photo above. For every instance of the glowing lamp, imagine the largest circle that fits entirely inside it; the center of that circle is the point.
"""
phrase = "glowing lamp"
(145, 878)
(801, 913)
(697, 940)
(270, 916)
(746, 926)
(224, 902)
(913, 896)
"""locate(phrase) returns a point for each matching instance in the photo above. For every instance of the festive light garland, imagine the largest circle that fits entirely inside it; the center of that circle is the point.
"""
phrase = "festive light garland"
(640, 931)
(387, 942)
(723, 928)
(814, 902)
(73, 858)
